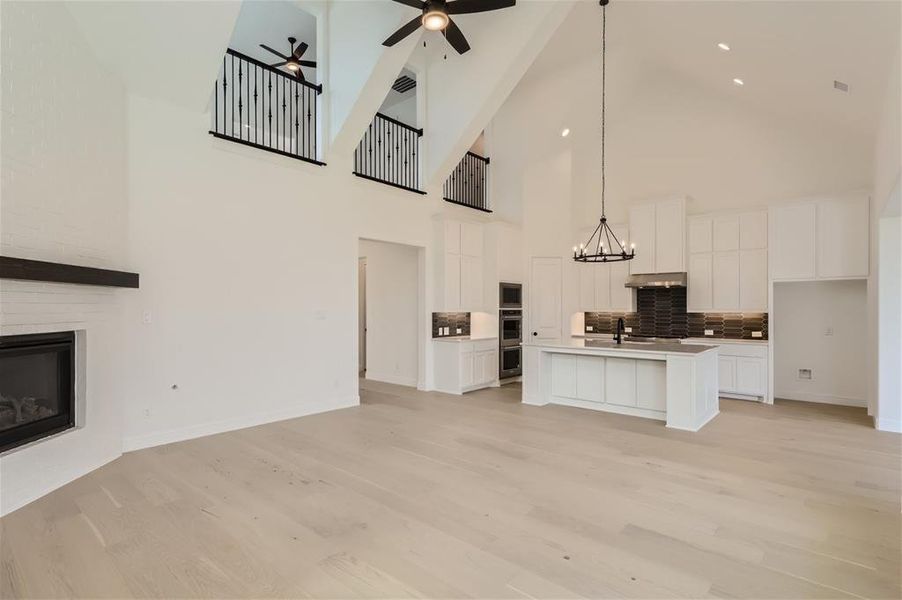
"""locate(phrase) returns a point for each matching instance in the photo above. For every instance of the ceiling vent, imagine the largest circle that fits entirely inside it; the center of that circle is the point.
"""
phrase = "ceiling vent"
(403, 84)
(839, 85)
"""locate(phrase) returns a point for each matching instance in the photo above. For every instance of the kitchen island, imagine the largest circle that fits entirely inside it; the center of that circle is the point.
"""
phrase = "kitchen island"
(668, 381)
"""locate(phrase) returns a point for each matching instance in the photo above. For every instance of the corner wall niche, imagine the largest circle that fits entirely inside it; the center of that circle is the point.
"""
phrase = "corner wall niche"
(37, 386)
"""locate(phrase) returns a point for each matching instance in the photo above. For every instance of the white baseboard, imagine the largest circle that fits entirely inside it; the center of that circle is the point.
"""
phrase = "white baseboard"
(16, 502)
(158, 438)
(390, 378)
(821, 398)
(888, 425)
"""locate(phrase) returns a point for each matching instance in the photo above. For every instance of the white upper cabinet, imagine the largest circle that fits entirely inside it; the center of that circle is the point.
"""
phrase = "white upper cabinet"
(586, 272)
(658, 229)
(723, 275)
(463, 271)
(471, 239)
(700, 235)
(622, 298)
(726, 233)
(753, 280)
(791, 241)
(842, 238)
(820, 239)
(670, 235)
(699, 296)
(753, 230)
(642, 234)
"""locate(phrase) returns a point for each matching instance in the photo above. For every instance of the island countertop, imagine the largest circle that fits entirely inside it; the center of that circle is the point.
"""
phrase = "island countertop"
(674, 347)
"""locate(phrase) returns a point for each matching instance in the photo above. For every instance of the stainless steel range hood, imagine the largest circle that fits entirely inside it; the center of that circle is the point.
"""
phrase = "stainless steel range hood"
(657, 280)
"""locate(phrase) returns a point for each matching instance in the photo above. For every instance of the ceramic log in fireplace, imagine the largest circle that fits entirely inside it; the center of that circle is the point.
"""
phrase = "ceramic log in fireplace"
(37, 386)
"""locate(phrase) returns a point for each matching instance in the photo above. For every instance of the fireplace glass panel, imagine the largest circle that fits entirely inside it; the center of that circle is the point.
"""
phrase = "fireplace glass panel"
(37, 391)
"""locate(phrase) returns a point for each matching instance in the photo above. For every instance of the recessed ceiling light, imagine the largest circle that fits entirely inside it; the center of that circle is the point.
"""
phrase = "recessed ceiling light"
(565, 132)
(724, 46)
(737, 81)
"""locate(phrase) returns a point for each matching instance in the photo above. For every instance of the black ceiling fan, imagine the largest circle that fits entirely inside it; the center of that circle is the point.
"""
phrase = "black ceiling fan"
(436, 17)
(293, 61)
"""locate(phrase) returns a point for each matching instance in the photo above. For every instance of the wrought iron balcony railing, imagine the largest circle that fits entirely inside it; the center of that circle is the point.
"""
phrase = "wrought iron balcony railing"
(390, 153)
(468, 183)
(260, 106)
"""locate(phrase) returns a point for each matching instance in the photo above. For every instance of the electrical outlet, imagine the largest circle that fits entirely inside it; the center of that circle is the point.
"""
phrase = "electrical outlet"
(805, 374)
(627, 330)
(589, 328)
(709, 332)
(757, 334)
(147, 317)
(459, 331)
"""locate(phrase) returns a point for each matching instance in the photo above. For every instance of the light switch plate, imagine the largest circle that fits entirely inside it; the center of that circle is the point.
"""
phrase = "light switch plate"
(459, 330)
(589, 328)
(627, 330)
(709, 332)
(756, 334)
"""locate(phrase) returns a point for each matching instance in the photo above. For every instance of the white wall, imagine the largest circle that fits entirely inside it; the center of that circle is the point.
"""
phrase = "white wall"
(884, 293)
(63, 199)
(392, 312)
(248, 265)
(803, 313)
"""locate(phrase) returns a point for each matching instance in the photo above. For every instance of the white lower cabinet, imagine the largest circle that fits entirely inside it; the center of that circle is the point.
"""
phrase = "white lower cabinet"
(741, 367)
(462, 365)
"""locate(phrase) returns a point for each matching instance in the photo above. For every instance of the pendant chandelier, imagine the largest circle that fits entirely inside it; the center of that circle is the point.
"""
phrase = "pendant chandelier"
(603, 245)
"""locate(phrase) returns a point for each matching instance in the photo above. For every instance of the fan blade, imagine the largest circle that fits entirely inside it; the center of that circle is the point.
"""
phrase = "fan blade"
(299, 75)
(456, 37)
(279, 54)
(308, 63)
(413, 3)
(462, 7)
(404, 31)
(299, 51)
(281, 64)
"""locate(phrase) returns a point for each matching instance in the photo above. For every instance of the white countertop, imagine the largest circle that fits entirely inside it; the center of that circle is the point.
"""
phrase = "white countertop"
(712, 340)
(674, 347)
(462, 338)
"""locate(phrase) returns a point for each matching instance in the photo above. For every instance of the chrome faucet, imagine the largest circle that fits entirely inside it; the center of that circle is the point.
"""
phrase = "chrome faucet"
(621, 327)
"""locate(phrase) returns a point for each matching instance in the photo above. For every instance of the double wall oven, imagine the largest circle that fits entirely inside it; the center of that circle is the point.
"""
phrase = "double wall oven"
(510, 334)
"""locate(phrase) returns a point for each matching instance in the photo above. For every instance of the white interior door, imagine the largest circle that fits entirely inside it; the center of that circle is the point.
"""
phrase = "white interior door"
(544, 310)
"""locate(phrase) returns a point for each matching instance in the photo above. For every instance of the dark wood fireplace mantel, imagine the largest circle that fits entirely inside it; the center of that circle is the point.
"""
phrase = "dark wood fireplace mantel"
(37, 270)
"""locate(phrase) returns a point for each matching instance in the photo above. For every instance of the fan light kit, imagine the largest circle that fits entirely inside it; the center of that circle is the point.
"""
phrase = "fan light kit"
(603, 245)
(565, 132)
(435, 17)
(293, 61)
(723, 46)
(737, 81)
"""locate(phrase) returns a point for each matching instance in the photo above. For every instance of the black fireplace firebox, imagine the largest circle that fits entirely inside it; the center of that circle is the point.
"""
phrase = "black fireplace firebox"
(37, 386)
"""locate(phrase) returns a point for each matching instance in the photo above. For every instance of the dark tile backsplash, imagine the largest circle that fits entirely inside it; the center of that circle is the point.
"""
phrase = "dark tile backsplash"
(453, 320)
(662, 313)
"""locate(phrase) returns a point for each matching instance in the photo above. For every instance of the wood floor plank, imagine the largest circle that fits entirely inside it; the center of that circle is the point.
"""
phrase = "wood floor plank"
(428, 495)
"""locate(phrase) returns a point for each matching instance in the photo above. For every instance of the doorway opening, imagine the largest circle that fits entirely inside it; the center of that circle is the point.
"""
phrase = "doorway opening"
(390, 312)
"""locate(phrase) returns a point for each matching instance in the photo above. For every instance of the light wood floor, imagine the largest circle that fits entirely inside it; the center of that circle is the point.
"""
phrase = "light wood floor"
(429, 495)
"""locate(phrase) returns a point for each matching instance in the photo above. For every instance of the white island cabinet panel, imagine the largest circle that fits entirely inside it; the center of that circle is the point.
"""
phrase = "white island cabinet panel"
(620, 381)
(590, 378)
(563, 375)
(651, 385)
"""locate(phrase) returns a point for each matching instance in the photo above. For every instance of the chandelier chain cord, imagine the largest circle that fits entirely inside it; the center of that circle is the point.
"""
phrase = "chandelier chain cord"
(604, 35)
